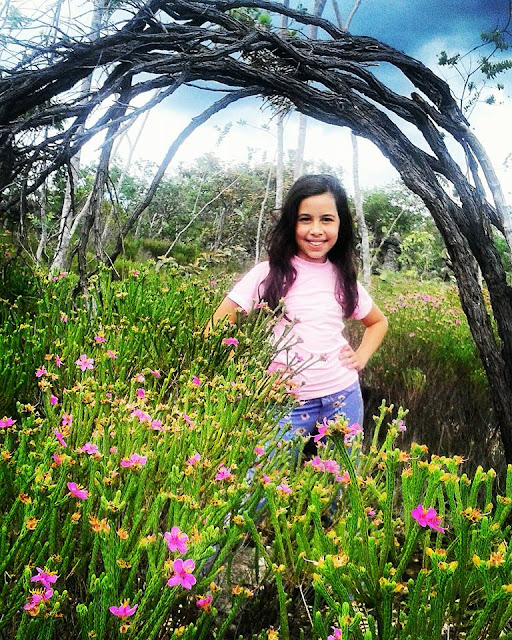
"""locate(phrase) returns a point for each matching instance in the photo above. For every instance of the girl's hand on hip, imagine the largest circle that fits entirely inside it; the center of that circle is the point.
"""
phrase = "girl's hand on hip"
(350, 358)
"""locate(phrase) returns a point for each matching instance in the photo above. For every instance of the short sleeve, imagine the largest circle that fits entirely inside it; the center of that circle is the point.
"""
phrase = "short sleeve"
(246, 292)
(364, 304)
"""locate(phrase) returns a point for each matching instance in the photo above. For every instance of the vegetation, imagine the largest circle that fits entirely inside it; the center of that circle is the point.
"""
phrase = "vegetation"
(139, 497)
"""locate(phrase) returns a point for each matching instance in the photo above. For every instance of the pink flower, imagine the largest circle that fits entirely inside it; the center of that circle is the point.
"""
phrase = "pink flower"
(53, 400)
(100, 339)
(63, 317)
(176, 540)
(36, 599)
(182, 574)
(265, 479)
(193, 460)
(155, 373)
(41, 372)
(140, 377)
(196, 381)
(134, 272)
(323, 430)
(284, 488)
(411, 335)
(113, 450)
(123, 610)
(223, 473)
(111, 354)
(58, 459)
(317, 464)
(336, 634)
(141, 393)
(84, 362)
(58, 362)
(332, 466)
(6, 422)
(258, 450)
(77, 491)
(135, 460)
(189, 420)
(204, 602)
(67, 419)
(90, 448)
(353, 430)
(400, 424)
(230, 341)
(141, 415)
(156, 425)
(344, 478)
(427, 518)
(45, 578)
(60, 438)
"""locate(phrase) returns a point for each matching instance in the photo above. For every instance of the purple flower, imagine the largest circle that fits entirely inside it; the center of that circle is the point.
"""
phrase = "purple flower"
(123, 610)
(91, 449)
(323, 430)
(6, 422)
(176, 540)
(77, 491)
(230, 341)
(44, 577)
(223, 473)
(193, 460)
(60, 438)
(427, 518)
(182, 574)
(135, 460)
(353, 430)
(84, 362)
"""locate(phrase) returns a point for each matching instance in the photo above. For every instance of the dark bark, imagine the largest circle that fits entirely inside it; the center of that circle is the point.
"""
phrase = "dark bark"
(329, 79)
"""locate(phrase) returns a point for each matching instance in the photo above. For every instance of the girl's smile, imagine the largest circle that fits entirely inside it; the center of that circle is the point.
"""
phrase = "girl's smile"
(316, 231)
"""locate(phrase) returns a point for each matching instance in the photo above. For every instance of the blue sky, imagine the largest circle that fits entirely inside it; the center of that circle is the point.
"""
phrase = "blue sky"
(421, 28)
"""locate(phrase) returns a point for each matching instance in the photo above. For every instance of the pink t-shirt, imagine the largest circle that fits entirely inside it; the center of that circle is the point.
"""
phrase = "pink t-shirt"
(315, 340)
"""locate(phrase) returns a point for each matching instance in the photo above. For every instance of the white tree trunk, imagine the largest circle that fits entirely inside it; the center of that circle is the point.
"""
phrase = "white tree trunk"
(493, 184)
(280, 162)
(361, 222)
(303, 119)
(257, 253)
(68, 223)
(280, 133)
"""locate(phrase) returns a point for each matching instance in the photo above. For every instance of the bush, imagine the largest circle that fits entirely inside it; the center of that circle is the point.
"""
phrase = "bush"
(138, 477)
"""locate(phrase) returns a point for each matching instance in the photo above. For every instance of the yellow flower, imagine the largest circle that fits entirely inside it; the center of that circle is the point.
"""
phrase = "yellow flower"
(31, 523)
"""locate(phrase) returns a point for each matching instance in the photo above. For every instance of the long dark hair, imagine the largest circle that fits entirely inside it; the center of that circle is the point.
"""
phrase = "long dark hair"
(282, 246)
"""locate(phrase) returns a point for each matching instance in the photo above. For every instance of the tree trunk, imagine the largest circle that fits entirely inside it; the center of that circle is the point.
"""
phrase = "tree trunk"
(361, 222)
(303, 121)
(260, 217)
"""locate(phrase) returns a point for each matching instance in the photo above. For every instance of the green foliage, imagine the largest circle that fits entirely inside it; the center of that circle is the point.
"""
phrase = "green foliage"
(329, 541)
(429, 363)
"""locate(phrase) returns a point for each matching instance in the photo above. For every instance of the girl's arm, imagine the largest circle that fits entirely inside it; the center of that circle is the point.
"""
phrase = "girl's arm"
(376, 326)
(227, 308)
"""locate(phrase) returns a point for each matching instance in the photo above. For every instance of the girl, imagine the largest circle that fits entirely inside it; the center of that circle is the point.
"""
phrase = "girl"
(311, 267)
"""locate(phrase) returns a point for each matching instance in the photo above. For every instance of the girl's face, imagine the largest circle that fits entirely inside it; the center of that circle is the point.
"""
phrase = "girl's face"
(318, 224)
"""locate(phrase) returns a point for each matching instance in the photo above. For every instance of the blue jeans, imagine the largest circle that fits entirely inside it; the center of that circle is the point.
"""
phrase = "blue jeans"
(303, 420)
